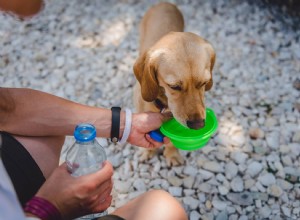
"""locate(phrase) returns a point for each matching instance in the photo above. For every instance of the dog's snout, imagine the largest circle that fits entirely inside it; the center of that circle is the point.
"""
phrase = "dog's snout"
(195, 124)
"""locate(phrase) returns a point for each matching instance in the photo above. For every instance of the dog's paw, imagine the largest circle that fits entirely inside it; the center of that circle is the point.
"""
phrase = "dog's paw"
(173, 157)
(146, 155)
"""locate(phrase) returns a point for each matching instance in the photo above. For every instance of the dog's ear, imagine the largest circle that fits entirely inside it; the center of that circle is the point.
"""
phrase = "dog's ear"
(145, 72)
(212, 55)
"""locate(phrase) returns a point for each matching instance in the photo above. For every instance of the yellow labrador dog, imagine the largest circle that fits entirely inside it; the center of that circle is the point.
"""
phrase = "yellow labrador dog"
(174, 69)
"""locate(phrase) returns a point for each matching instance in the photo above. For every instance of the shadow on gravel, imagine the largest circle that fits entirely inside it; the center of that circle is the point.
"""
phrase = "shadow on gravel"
(285, 11)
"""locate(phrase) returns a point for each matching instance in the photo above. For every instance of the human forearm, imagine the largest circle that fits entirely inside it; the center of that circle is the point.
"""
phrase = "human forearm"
(34, 113)
(28, 112)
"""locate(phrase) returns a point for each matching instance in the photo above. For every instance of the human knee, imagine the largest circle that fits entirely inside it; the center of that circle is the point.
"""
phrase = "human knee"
(164, 200)
(161, 194)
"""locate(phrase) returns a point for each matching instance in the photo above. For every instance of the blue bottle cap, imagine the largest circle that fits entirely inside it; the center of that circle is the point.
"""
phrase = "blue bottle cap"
(85, 132)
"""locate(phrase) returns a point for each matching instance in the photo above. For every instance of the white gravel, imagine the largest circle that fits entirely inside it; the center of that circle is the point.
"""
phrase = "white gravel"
(85, 50)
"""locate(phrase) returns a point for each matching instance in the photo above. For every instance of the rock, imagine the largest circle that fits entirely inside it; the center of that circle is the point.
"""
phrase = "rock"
(190, 171)
(60, 61)
(231, 170)
(189, 192)
(191, 202)
(267, 179)
(139, 185)
(243, 217)
(223, 215)
(204, 187)
(256, 133)
(249, 183)
(285, 185)
(213, 167)
(237, 184)
(205, 174)
(122, 186)
(242, 199)
(273, 140)
(175, 181)
(219, 205)
(286, 211)
(239, 157)
(188, 182)
(254, 168)
(115, 159)
(295, 148)
(208, 204)
(260, 196)
(275, 191)
(175, 191)
(223, 190)
(296, 137)
(296, 84)
(194, 215)
(265, 211)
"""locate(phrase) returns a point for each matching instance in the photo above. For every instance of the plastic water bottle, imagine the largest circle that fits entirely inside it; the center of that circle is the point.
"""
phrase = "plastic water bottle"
(85, 156)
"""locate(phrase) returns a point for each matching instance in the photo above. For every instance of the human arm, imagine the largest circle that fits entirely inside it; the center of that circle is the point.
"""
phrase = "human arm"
(29, 112)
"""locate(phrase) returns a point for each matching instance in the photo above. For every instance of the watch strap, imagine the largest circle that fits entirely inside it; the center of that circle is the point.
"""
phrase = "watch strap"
(115, 124)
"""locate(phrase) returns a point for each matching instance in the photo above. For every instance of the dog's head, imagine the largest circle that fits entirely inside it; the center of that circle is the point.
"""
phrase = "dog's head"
(181, 65)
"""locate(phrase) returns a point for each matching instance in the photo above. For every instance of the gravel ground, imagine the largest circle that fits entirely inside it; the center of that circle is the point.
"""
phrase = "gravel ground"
(85, 50)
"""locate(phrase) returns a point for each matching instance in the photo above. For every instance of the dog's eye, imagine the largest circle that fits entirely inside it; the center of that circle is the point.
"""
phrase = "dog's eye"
(175, 87)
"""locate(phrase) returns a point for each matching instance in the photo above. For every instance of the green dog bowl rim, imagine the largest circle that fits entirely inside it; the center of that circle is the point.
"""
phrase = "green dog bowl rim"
(195, 143)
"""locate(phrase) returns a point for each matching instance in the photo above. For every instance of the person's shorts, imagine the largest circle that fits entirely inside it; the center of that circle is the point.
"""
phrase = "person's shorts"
(24, 172)
(110, 217)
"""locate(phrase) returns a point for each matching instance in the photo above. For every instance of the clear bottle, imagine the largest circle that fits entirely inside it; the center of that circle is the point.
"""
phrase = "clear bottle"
(85, 156)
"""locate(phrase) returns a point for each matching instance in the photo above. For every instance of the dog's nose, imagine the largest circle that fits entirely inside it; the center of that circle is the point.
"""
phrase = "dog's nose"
(195, 124)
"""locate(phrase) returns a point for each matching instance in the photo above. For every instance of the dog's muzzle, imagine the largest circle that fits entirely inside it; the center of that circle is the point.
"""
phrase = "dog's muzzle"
(195, 124)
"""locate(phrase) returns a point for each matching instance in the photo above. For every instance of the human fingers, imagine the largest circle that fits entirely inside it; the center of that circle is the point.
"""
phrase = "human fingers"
(99, 197)
(103, 205)
(166, 140)
(104, 189)
(101, 176)
(152, 143)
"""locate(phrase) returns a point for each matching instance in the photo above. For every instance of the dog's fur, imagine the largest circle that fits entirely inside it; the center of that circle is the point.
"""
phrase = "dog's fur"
(174, 69)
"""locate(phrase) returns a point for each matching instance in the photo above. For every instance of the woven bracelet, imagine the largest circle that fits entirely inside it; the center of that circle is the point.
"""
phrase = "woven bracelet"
(42, 208)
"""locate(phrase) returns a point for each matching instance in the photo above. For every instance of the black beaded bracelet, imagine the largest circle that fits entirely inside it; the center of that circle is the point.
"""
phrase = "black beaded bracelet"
(115, 124)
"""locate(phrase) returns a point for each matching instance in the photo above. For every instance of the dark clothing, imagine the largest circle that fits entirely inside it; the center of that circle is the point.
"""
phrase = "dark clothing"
(110, 217)
(23, 171)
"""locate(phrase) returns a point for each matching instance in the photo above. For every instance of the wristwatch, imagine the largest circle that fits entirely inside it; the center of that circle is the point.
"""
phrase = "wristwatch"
(115, 124)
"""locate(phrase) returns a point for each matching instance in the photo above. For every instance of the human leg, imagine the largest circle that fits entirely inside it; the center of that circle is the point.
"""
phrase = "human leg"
(155, 204)
(44, 150)
(28, 166)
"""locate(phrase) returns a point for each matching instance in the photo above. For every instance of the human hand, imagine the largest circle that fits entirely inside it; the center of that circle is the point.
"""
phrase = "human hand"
(142, 124)
(78, 196)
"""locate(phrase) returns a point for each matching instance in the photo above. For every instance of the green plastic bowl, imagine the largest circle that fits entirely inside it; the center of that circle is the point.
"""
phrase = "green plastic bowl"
(189, 139)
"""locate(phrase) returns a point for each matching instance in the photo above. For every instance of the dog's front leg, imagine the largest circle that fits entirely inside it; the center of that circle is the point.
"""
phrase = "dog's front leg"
(173, 156)
(146, 154)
